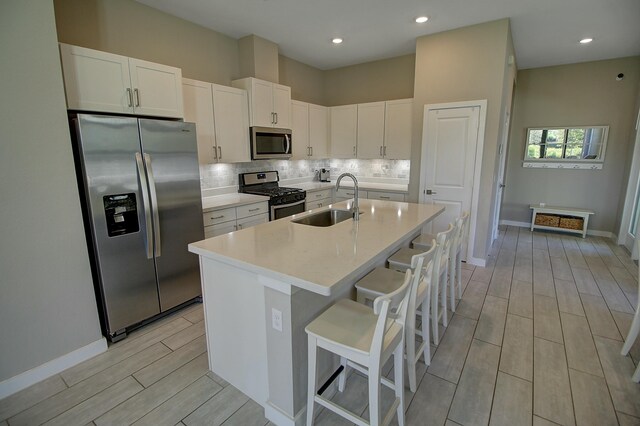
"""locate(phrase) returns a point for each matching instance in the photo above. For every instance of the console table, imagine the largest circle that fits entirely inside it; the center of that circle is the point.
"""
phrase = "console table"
(560, 212)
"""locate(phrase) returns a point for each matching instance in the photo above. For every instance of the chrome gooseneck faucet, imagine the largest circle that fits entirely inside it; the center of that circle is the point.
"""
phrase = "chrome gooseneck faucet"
(355, 209)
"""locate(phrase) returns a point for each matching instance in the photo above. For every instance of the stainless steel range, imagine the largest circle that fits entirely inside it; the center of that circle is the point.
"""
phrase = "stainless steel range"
(283, 201)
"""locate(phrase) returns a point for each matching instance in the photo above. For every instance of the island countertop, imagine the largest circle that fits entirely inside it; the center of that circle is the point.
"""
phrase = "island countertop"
(318, 259)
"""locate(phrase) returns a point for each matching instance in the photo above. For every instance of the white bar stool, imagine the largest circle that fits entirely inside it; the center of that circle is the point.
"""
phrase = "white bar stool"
(634, 330)
(399, 260)
(365, 339)
(382, 281)
(455, 259)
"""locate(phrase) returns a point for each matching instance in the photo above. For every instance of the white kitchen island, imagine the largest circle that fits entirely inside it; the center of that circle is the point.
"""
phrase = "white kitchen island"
(261, 286)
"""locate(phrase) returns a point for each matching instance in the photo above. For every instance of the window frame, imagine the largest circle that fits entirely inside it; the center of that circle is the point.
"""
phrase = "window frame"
(566, 163)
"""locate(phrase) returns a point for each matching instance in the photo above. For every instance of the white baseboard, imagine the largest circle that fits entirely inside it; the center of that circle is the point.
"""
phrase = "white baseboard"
(476, 261)
(594, 232)
(48, 369)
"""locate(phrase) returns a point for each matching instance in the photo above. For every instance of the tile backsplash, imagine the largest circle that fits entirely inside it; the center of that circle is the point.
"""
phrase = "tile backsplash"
(221, 175)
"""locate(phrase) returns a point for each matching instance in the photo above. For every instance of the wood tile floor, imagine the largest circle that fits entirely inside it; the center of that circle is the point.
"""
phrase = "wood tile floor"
(535, 339)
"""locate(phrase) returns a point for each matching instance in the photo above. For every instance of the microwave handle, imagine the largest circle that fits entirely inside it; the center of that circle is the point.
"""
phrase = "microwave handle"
(288, 146)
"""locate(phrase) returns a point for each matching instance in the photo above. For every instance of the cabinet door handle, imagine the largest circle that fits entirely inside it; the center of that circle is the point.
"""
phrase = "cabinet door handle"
(380, 150)
(311, 150)
(217, 217)
(273, 118)
(129, 97)
(354, 150)
(382, 197)
(136, 92)
(219, 152)
(254, 210)
(276, 117)
(215, 153)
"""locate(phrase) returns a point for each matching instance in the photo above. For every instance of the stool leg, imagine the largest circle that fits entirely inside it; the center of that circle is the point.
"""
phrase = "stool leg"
(311, 384)
(425, 330)
(374, 396)
(410, 338)
(343, 376)
(399, 380)
(434, 316)
(452, 283)
(459, 273)
(636, 375)
(443, 294)
(633, 333)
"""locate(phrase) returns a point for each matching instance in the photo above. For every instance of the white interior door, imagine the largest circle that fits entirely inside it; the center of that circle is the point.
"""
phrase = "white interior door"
(450, 137)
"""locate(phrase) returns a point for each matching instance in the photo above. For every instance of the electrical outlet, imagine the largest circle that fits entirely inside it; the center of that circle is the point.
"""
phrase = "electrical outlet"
(276, 319)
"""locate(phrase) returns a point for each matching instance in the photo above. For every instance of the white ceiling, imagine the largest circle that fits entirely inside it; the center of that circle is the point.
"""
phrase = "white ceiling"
(545, 32)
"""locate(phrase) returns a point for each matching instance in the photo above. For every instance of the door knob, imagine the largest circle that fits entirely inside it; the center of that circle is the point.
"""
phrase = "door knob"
(430, 192)
(502, 185)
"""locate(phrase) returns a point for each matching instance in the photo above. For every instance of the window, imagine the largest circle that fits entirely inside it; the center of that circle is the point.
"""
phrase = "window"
(566, 147)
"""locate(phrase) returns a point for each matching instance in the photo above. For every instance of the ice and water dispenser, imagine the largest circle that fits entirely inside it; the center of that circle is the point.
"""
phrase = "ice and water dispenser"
(121, 213)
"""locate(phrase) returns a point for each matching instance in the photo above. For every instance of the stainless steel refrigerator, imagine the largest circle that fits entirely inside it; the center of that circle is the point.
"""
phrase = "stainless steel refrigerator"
(140, 190)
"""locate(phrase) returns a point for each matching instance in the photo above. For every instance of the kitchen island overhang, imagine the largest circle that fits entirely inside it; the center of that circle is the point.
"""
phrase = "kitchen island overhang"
(262, 285)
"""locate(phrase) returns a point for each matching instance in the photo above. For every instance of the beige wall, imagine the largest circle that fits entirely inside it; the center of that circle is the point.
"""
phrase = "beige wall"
(132, 29)
(306, 82)
(258, 58)
(47, 304)
(372, 81)
(577, 94)
(459, 65)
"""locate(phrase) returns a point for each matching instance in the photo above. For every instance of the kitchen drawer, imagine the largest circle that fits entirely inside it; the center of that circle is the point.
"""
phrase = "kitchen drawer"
(252, 209)
(219, 216)
(316, 204)
(250, 221)
(219, 229)
(386, 196)
(349, 193)
(319, 195)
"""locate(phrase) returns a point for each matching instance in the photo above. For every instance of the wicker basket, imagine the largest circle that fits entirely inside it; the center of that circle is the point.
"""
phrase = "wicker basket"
(547, 220)
(571, 222)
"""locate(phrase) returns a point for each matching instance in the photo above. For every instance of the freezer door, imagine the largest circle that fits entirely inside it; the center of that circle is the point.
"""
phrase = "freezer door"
(115, 205)
(171, 159)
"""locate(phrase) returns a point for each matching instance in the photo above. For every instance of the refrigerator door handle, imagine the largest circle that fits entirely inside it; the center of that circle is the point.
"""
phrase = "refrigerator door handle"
(145, 204)
(154, 205)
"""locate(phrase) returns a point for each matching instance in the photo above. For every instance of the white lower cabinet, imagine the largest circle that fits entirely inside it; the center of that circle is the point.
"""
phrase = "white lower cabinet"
(346, 194)
(223, 221)
(386, 196)
(317, 199)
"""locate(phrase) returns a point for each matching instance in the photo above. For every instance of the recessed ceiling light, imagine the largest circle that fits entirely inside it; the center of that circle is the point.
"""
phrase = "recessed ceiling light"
(586, 40)
(422, 19)
(336, 40)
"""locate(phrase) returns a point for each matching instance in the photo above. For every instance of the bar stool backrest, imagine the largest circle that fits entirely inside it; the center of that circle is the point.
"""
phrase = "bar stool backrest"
(391, 306)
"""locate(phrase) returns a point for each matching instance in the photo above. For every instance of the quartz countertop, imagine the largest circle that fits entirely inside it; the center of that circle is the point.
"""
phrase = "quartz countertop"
(230, 200)
(319, 258)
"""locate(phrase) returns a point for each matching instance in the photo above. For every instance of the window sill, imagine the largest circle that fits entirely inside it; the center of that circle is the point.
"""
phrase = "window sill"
(561, 165)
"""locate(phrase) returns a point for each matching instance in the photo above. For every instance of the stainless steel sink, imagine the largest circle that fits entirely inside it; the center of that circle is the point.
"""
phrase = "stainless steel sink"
(325, 218)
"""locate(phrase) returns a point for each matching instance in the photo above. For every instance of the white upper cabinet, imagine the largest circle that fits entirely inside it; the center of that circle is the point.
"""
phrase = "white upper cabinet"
(231, 117)
(318, 131)
(222, 121)
(371, 130)
(157, 89)
(300, 130)
(398, 129)
(344, 126)
(310, 129)
(198, 108)
(269, 103)
(101, 81)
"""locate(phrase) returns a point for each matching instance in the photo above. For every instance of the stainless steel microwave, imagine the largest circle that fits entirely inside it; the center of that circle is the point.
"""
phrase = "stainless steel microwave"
(267, 142)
